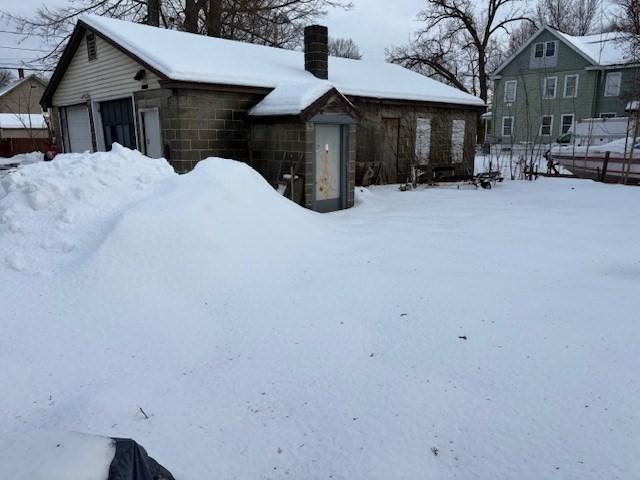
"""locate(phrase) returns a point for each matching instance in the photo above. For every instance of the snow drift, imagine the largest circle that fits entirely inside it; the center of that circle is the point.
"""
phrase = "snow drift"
(427, 334)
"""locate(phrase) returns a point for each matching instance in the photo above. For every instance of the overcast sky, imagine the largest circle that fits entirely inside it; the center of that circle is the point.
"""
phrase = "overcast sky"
(373, 24)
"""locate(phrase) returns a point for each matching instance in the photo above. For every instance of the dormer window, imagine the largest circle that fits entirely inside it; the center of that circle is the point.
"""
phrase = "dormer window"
(92, 53)
(539, 50)
(550, 50)
(544, 49)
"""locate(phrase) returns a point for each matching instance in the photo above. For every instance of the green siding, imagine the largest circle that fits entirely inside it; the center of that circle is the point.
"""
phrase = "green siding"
(529, 106)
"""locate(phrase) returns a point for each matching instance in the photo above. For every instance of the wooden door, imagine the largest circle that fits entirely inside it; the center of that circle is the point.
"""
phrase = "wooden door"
(391, 135)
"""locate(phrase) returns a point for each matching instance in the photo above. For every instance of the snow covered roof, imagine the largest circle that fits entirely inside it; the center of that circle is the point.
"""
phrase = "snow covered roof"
(8, 88)
(291, 98)
(601, 49)
(22, 120)
(182, 56)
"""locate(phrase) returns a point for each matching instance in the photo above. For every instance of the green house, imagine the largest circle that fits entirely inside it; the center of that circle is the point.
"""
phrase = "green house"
(555, 80)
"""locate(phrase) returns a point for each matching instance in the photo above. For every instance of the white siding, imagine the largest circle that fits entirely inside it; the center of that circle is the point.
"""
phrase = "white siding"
(109, 76)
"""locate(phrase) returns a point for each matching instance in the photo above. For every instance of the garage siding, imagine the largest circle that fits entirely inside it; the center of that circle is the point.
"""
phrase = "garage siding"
(109, 76)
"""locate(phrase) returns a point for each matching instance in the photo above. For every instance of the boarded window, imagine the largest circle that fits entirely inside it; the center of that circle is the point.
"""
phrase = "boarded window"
(92, 53)
(423, 140)
(612, 84)
(457, 141)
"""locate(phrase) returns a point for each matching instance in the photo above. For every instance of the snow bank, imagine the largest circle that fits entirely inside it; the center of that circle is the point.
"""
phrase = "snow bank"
(495, 328)
(22, 158)
(54, 212)
(51, 455)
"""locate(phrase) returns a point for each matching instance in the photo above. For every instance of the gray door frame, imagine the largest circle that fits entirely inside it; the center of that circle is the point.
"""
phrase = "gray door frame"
(340, 203)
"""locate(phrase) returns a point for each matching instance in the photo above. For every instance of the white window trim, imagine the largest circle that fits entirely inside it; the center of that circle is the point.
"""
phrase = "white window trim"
(606, 80)
(515, 91)
(575, 93)
(555, 88)
(555, 49)
(562, 117)
(550, 126)
(503, 119)
(535, 47)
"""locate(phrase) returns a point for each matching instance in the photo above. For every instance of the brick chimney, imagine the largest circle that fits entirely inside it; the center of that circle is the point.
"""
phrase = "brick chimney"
(21, 73)
(316, 50)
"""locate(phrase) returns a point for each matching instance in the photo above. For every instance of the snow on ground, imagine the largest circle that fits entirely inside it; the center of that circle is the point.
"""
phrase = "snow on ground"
(22, 158)
(495, 328)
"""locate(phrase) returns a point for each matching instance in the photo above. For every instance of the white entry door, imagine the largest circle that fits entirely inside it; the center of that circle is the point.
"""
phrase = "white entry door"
(151, 133)
(78, 129)
(329, 189)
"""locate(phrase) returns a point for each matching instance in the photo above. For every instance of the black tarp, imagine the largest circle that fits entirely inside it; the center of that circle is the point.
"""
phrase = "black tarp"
(131, 462)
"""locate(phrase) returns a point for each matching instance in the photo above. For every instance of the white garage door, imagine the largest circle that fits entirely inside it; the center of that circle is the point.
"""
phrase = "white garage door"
(78, 129)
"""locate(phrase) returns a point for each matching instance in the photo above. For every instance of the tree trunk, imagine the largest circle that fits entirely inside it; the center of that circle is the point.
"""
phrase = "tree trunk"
(484, 90)
(191, 16)
(153, 13)
(214, 18)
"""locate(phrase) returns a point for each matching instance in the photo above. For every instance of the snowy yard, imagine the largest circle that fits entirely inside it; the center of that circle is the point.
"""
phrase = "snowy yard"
(432, 334)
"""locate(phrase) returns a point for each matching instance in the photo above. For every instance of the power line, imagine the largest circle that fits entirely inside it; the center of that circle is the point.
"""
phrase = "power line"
(30, 34)
(23, 49)
(25, 67)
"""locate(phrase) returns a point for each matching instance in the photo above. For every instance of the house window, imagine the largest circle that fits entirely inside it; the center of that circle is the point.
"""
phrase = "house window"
(507, 126)
(612, 84)
(423, 140)
(92, 53)
(457, 141)
(607, 115)
(538, 50)
(546, 125)
(510, 87)
(550, 50)
(571, 86)
(566, 123)
(549, 89)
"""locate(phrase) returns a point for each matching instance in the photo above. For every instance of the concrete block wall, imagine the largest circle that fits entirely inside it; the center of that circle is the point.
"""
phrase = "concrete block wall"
(371, 135)
(197, 124)
(273, 144)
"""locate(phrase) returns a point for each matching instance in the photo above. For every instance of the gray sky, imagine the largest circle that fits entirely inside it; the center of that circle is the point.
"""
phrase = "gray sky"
(373, 24)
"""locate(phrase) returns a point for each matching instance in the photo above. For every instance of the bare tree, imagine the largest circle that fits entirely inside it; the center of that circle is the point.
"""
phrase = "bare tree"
(345, 48)
(574, 17)
(269, 22)
(459, 42)
(627, 22)
(6, 77)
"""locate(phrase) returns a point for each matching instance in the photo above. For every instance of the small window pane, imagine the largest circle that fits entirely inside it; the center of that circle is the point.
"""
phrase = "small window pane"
(551, 49)
(612, 85)
(545, 126)
(507, 126)
(567, 122)
(550, 87)
(571, 86)
(539, 50)
(510, 91)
